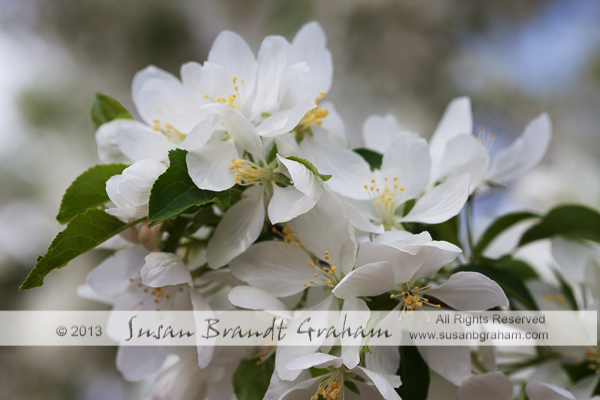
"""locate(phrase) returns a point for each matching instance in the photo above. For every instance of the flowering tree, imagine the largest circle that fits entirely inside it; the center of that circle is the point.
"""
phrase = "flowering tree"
(237, 188)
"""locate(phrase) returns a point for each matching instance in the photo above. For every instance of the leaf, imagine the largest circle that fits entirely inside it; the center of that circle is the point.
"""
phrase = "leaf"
(577, 372)
(174, 192)
(87, 191)
(512, 286)
(571, 221)
(251, 381)
(499, 226)
(414, 374)
(310, 166)
(105, 109)
(447, 231)
(372, 157)
(83, 233)
(518, 268)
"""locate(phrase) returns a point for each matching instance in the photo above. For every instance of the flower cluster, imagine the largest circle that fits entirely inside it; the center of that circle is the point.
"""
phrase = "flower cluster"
(237, 188)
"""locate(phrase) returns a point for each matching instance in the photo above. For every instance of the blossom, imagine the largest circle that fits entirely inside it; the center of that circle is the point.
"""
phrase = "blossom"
(404, 175)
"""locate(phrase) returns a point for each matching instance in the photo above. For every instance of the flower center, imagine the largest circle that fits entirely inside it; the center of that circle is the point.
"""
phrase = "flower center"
(386, 200)
(234, 100)
(250, 173)
(167, 129)
(332, 388)
(326, 276)
(287, 234)
(411, 299)
(313, 117)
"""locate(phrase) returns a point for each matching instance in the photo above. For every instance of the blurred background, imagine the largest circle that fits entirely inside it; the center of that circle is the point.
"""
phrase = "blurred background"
(514, 59)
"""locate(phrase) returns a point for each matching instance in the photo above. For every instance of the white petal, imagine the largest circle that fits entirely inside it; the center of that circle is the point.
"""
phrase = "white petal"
(457, 119)
(469, 291)
(304, 180)
(271, 63)
(285, 120)
(525, 152)
(112, 275)
(351, 346)
(106, 141)
(112, 190)
(164, 269)
(85, 291)
(405, 262)
(572, 257)
(254, 299)
(137, 180)
(287, 203)
(160, 96)
(383, 359)
(437, 254)
(368, 280)
(137, 141)
(240, 227)
(464, 153)
(128, 212)
(407, 158)
(543, 391)
(199, 303)
(241, 130)
(490, 386)
(318, 360)
(140, 362)
(324, 228)
(278, 268)
(379, 132)
(440, 388)
(201, 133)
(360, 221)
(310, 45)
(208, 166)
(349, 171)
(278, 387)
(332, 128)
(382, 384)
(451, 362)
(231, 51)
(442, 202)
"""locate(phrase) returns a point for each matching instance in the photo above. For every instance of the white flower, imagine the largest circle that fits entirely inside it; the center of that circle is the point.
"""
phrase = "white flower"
(489, 386)
(376, 381)
(136, 279)
(404, 175)
(544, 391)
(454, 150)
(130, 191)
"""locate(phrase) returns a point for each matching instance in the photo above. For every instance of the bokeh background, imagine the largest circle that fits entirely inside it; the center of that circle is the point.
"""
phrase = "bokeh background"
(514, 58)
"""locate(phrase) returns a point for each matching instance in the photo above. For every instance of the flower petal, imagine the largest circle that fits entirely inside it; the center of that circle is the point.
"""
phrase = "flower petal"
(490, 386)
(240, 227)
(230, 51)
(254, 299)
(287, 203)
(358, 220)
(348, 170)
(130, 365)
(525, 152)
(442, 202)
(383, 360)
(451, 362)
(464, 153)
(137, 180)
(379, 132)
(351, 346)
(407, 158)
(164, 269)
(470, 291)
(112, 275)
(381, 383)
(271, 63)
(543, 391)
(304, 180)
(318, 360)
(137, 142)
(368, 280)
(278, 268)
(457, 119)
(285, 120)
(208, 166)
(106, 141)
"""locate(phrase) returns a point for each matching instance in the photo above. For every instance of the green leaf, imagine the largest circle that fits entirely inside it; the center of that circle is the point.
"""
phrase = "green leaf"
(518, 268)
(310, 166)
(174, 192)
(577, 372)
(414, 374)
(87, 191)
(352, 386)
(372, 157)
(105, 109)
(513, 287)
(251, 381)
(572, 221)
(499, 226)
(83, 233)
